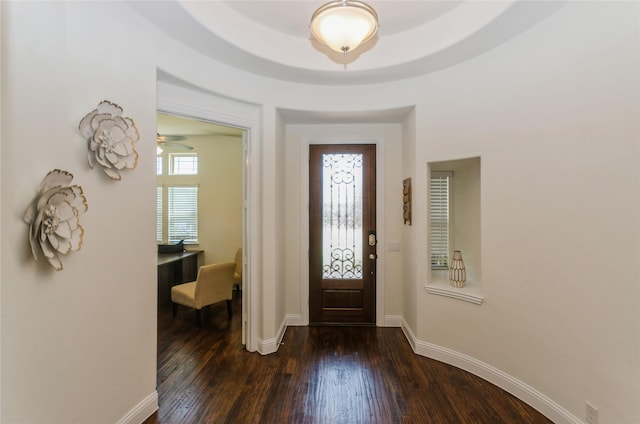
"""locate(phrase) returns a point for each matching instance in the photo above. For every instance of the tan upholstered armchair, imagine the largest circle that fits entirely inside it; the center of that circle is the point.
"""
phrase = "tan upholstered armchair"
(213, 284)
(237, 275)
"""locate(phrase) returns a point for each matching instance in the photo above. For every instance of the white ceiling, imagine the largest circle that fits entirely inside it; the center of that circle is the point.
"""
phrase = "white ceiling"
(292, 17)
(271, 37)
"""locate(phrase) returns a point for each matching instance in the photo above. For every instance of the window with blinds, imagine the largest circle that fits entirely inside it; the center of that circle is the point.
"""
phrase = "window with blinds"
(182, 213)
(159, 214)
(439, 204)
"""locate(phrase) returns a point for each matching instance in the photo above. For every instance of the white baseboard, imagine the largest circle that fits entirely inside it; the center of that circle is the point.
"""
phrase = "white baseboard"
(142, 410)
(408, 333)
(267, 347)
(295, 320)
(392, 321)
(510, 384)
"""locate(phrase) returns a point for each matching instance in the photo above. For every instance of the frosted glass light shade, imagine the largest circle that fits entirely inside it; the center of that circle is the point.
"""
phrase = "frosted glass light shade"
(344, 25)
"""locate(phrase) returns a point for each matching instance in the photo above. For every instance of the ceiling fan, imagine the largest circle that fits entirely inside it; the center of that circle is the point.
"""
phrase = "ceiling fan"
(171, 141)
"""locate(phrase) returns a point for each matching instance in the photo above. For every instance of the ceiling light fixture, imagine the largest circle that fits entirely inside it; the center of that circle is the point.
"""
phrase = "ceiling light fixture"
(344, 25)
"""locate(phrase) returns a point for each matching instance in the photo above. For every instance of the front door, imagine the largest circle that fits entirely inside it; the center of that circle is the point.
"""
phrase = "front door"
(342, 234)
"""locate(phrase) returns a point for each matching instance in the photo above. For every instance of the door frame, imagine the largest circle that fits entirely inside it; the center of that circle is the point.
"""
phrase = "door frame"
(378, 141)
(179, 101)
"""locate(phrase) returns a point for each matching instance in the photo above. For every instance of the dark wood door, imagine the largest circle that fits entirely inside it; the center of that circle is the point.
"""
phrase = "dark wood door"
(342, 240)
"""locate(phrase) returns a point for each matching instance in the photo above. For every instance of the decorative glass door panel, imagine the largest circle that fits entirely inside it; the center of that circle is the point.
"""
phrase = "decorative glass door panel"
(341, 220)
(342, 216)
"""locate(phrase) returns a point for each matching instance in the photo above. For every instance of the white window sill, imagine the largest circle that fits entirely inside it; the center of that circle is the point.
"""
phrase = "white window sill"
(469, 293)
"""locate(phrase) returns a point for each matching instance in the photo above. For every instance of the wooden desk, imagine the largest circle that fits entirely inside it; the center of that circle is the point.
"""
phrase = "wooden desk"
(175, 268)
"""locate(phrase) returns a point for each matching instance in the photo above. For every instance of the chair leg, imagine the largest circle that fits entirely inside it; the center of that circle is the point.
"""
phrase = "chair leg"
(199, 318)
(174, 309)
(229, 307)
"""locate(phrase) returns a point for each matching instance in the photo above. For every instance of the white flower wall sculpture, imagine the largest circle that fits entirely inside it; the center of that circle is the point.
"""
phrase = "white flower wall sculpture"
(53, 217)
(110, 138)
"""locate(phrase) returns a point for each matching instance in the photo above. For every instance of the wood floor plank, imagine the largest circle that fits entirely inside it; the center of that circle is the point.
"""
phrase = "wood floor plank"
(333, 375)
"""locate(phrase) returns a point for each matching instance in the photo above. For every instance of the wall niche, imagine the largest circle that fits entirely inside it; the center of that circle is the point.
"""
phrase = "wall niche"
(464, 227)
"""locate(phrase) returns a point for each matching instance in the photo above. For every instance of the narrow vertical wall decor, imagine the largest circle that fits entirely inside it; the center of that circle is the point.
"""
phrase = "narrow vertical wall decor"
(53, 217)
(406, 201)
(457, 272)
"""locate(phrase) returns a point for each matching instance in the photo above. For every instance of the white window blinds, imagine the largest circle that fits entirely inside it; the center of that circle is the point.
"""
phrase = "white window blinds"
(439, 195)
(183, 213)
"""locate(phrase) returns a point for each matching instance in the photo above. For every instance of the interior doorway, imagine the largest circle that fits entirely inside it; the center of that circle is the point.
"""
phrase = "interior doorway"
(205, 160)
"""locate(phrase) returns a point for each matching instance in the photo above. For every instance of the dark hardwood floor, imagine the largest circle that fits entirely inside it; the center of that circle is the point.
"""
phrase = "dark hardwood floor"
(319, 375)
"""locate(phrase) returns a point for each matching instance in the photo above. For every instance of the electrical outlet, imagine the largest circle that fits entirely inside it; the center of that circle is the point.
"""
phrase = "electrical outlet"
(591, 414)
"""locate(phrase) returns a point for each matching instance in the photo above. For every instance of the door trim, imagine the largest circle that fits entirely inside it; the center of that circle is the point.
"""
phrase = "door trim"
(304, 220)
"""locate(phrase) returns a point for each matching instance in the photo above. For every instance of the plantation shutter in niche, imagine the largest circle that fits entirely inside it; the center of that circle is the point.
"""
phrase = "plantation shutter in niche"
(439, 193)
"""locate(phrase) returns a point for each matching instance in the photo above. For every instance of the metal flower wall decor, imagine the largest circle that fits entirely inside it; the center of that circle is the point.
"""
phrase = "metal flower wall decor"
(110, 138)
(53, 217)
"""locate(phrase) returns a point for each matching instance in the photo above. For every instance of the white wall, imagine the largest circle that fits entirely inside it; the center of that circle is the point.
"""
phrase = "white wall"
(1, 136)
(281, 224)
(412, 239)
(554, 116)
(467, 216)
(270, 285)
(78, 345)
